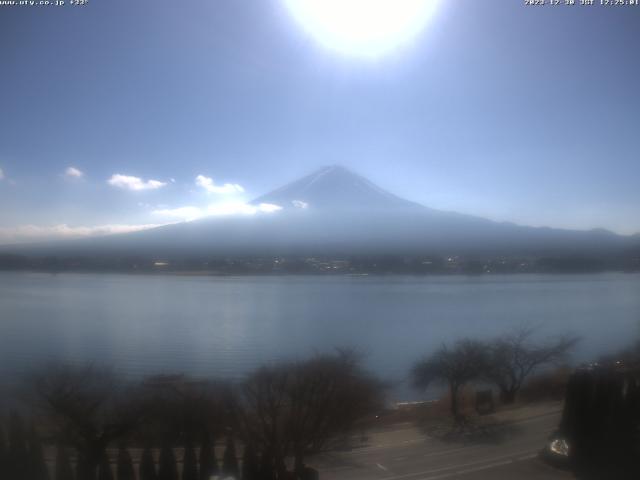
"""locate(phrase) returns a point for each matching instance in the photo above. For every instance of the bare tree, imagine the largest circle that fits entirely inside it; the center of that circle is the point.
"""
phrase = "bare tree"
(515, 356)
(37, 464)
(124, 469)
(230, 466)
(250, 464)
(4, 455)
(88, 408)
(300, 408)
(185, 408)
(328, 395)
(63, 470)
(262, 411)
(147, 466)
(189, 463)
(208, 461)
(455, 366)
(104, 467)
(17, 463)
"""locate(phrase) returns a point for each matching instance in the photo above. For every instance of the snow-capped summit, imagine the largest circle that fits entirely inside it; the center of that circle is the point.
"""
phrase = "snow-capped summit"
(334, 188)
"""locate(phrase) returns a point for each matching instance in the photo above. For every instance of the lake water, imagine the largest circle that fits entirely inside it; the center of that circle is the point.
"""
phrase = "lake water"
(226, 326)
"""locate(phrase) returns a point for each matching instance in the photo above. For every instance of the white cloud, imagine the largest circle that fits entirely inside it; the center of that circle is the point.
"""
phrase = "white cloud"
(239, 208)
(300, 204)
(182, 213)
(134, 183)
(73, 172)
(189, 213)
(210, 187)
(30, 233)
(1, 174)
(268, 207)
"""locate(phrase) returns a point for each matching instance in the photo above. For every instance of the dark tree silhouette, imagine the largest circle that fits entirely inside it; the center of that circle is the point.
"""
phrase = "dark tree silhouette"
(250, 465)
(124, 469)
(89, 409)
(147, 467)
(230, 459)
(267, 466)
(63, 470)
(189, 463)
(37, 465)
(300, 408)
(263, 413)
(167, 468)
(514, 357)
(456, 366)
(18, 455)
(208, 462)
(3, 452)
(327, 396)
(183, 407)
(85, 469)
(104, 467)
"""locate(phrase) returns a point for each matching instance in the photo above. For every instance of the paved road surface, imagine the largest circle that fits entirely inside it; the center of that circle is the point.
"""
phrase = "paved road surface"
(407, 454)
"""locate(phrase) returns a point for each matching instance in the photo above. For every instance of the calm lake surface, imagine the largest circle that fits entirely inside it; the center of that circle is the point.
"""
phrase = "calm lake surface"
(225, 326)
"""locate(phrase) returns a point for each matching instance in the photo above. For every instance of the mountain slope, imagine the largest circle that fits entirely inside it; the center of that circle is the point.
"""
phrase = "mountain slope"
(334, 188)
(335, 211)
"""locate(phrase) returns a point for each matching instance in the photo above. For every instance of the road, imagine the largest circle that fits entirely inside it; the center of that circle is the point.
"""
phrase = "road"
(405, 453)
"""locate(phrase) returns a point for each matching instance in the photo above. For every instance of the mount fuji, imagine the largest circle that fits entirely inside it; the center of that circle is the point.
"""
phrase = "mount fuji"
(337, 212)
(335, 188)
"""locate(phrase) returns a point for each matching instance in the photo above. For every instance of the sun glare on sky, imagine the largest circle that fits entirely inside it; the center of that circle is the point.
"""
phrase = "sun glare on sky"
(365, 28)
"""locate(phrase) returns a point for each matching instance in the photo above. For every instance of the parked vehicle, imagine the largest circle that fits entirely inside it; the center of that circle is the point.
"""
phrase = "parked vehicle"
(599, 432)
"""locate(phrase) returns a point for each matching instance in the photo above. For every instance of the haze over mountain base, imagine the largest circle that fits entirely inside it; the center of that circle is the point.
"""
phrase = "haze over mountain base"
(336, 215)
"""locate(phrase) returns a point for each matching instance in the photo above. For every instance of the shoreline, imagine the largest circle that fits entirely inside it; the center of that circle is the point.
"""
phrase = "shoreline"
(214, 273)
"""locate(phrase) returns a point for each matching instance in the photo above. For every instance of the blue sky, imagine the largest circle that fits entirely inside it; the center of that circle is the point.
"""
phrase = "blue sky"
(525, 114)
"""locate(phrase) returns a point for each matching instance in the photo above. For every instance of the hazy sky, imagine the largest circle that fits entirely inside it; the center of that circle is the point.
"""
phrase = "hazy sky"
(116, 114)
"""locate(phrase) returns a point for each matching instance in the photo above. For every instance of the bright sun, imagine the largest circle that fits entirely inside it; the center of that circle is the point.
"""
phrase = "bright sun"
(368, 28)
